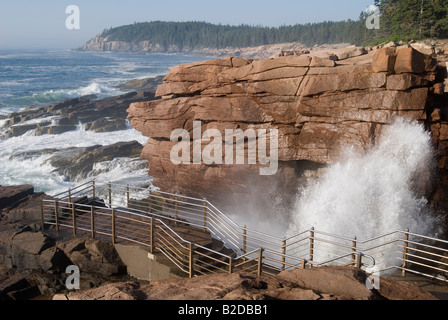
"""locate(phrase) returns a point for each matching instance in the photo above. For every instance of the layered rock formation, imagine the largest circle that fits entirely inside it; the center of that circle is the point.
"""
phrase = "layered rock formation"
(319, 103)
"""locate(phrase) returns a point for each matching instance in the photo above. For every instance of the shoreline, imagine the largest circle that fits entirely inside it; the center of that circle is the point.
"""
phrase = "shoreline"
(257, 52)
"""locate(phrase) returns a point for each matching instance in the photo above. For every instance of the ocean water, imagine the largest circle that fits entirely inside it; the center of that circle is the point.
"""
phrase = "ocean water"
(39, 78)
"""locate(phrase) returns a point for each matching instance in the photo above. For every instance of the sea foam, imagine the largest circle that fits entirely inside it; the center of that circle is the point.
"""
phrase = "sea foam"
(371, 194)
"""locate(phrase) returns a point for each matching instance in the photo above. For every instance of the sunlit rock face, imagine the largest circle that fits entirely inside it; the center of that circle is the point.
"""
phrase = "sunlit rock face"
(320, 104)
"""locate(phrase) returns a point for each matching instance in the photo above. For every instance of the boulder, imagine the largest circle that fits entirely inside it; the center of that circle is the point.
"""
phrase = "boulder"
(322, 62)
(409, 60)
(17, 287)
(11, 195)
(31, 242)
(405, 81)
(384, 60)
(350, 52)
(351, 283)
(423, 48)
(35, 251)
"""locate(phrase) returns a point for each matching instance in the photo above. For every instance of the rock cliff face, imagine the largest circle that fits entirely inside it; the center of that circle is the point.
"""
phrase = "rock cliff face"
(320, 103)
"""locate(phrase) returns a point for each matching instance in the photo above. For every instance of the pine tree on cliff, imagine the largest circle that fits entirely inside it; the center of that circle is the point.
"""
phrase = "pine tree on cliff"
(413, 19)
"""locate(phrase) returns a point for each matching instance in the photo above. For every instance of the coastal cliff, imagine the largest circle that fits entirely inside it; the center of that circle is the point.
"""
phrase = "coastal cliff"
(320, 103)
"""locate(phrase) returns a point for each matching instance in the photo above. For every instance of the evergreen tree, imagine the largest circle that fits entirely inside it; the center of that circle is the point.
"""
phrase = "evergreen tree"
(400, 20)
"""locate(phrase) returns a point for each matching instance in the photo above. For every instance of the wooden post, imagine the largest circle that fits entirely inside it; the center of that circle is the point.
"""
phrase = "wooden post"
(312, 246)
(284, 255)
(74, 220)
(151, 235)
(191, 260)
(56, 214)
(204, 204)
(260, 262)
(405, 252)
(92, 221)
(113, 226)
(354, 250)
(42, 219)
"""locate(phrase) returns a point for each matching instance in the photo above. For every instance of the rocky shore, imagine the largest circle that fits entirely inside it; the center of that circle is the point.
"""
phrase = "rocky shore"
(103, 115)
(86, 113)
(33, 263)
(319, 101)
(99, 44)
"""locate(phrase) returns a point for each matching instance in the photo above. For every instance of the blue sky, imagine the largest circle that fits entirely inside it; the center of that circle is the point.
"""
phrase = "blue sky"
(41, 23)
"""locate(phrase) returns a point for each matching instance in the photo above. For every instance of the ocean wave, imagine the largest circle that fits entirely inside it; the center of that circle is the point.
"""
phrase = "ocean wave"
(51, 96)
(25, 169)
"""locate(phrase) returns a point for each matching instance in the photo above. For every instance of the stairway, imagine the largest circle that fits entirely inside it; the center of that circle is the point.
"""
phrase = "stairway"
(171, 238)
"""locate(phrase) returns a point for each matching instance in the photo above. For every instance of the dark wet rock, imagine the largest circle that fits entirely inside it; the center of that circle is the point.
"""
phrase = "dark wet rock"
(106, 125)
(141, 84)
(20, 203)
(17, 287)
(11, 195)
(79, 162)
(103, 115)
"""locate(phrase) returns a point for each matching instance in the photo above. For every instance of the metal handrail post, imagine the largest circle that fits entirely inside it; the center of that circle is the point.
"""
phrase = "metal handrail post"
(56, 215)
(42, 219)
(359, 260)
(260, 262)
(244, 242)
(92, 221)
(231, 265)
(74, 219)
(113, 226)
(176, 211)
(151, 235)
(93, 189)
(205, 215)
(284, 254)
(311, 246)
(191, 260)
(354, 250)
(110, 195)
(405, 252)
(127, 197)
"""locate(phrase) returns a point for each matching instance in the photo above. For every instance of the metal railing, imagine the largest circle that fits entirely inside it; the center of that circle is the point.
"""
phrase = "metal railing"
(147, 216)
